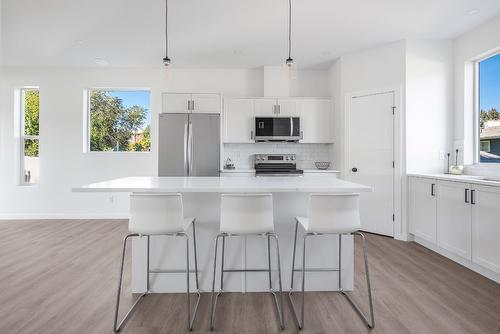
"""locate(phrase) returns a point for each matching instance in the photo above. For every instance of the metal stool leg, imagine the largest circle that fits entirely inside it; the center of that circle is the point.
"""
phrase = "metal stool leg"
(214, 297)
(280, 307)
(196, 277)
(370, 323)
(222, 265)
(300, 322)
(116, 326)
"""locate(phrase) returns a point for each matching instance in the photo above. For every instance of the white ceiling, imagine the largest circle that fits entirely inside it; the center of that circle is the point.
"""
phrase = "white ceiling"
(221, 33)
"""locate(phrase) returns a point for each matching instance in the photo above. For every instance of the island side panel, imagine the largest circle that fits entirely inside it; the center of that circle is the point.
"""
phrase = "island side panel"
(248, 252)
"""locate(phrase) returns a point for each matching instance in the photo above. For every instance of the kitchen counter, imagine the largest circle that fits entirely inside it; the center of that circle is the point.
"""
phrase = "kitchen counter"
(244, 184)
(201, 199)
(305, 171)
(475, 179)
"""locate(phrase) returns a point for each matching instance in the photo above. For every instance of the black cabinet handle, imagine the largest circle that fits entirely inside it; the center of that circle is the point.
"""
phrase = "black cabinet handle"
(466, 195)
(433, 189)
(472, 196)
(354, 169)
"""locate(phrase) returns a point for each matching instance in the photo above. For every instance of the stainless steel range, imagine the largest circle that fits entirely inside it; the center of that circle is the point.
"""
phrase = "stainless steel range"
(276, 165)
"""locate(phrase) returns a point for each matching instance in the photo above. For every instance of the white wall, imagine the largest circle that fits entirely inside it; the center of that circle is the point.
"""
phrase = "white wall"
(429, 104)
(472, 45)
(63, 164)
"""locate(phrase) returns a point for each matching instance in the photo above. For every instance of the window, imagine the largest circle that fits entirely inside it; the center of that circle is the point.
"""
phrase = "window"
(118, 120)
(489, 109)
(30, 141)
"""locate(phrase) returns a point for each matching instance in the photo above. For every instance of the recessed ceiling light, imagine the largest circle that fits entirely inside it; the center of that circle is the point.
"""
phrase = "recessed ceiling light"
(101, 61)
(472, 12)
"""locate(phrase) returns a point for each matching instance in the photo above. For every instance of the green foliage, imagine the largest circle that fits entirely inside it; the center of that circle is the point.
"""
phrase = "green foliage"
(490, 115)
(31, 121)
(114, 127)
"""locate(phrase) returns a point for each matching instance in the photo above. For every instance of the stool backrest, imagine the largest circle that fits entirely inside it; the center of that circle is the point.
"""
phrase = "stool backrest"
(334, 213)
(246, 213)
(156, 213)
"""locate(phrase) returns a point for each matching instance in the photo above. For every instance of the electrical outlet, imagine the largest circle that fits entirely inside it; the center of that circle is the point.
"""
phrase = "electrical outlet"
(441, 155)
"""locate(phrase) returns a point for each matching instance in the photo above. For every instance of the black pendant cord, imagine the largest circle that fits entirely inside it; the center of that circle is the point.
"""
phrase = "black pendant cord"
(289, 29)
(166, 60)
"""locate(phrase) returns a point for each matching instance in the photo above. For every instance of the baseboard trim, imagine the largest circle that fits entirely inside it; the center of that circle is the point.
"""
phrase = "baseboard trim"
(35, 216)
(460, 260)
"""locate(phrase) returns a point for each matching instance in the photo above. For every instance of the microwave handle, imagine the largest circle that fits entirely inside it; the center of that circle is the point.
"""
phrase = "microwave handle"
(291, 126)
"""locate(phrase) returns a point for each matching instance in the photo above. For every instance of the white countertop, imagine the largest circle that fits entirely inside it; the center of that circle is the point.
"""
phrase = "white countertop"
(476, 179)
(244, 184)
(305, 171)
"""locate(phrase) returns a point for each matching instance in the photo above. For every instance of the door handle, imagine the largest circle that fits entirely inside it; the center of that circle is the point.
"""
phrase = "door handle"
(466, 195)
(354, 170)
(186, 164)
(473, 197)
(433, 189)
(190, 149)
(192, 104)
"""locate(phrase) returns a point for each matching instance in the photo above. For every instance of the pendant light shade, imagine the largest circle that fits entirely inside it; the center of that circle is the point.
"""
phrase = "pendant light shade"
(166, 60)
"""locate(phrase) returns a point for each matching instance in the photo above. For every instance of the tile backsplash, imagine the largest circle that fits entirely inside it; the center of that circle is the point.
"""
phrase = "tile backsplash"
(242, 155)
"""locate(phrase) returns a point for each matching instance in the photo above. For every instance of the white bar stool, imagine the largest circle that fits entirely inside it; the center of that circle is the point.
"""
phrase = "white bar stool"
(241, 215)
(153, 215)
(335, 214)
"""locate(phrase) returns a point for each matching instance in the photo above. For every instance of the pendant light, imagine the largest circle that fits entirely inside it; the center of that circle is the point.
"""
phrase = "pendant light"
(289, 62)
(166, 59)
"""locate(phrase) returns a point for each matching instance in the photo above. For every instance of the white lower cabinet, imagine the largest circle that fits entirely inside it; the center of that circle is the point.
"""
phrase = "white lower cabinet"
(486, 227)
(422, 206)
(461, 218)
(454, 217)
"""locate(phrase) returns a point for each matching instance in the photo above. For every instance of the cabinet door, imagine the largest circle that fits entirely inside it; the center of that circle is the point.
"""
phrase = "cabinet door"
(175, 103)
(316, 121)
(423, 208)
(287, 108)
(454, 217)
(486, 227)
(265, 107)
(238, 121)
(206, 103)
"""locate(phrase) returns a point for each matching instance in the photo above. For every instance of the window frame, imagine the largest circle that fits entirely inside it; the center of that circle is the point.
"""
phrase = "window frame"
(86, 118)
(477, 110)
(23, 136)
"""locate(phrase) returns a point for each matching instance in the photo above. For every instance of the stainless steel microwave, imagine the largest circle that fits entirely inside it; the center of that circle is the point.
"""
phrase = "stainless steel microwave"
(277, 129)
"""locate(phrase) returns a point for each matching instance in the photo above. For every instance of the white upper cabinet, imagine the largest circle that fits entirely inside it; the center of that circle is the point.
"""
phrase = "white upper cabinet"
(191, 103)
(265, 107)
(422, 206)
(485, 203)
(454, 217)
(315, 120)
(287, 108)
(176, 103)
(206, 103)
(238, 121)
(315, 117)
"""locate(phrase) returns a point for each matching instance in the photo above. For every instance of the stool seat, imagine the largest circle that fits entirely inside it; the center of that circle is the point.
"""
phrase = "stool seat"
(304, 221)
(162, 230)
(246, 214)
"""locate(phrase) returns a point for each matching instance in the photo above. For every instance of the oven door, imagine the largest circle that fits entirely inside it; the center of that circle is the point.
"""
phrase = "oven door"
(277, 129)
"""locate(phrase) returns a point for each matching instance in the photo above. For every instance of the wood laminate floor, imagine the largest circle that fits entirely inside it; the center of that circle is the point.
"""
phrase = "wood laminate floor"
(60, 276)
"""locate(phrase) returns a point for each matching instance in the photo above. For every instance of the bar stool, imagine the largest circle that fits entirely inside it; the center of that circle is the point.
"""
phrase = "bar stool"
(242, 215)
(154, 215)
(336, 214)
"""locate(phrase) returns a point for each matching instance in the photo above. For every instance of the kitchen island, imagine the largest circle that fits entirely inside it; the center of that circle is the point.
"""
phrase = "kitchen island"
(201, 198)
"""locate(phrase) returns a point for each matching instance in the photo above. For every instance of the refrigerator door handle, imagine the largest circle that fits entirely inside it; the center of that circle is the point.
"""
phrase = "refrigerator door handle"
(186, 163)
(190, 149)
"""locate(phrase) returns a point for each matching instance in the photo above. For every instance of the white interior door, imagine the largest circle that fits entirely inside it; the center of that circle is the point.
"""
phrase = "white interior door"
(370, 153)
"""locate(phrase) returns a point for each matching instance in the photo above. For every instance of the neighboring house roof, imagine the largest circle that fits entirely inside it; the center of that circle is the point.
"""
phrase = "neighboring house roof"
(492, 132)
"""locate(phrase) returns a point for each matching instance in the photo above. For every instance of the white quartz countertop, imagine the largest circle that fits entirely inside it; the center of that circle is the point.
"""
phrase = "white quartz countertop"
(476, 179)
(244, 184)
(305, 171)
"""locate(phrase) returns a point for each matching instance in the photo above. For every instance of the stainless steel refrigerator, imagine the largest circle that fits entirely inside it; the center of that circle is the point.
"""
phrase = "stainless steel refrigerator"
(189, 145)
